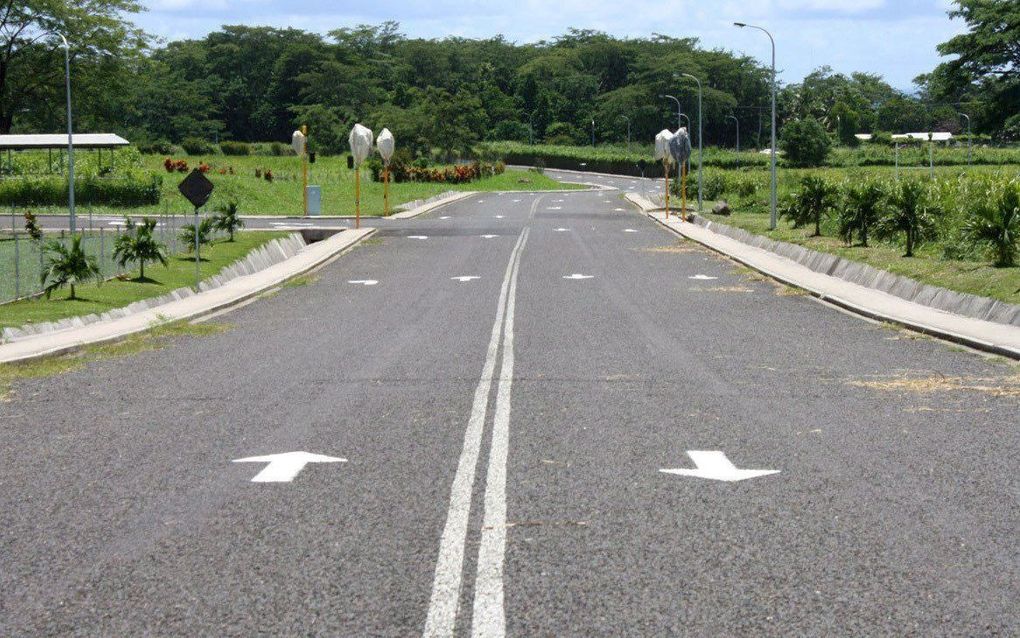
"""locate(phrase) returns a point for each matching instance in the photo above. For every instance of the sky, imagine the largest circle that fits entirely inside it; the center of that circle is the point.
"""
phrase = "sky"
(894, 38)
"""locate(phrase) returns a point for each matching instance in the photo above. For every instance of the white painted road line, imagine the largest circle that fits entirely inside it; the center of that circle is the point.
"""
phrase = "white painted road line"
(417, 236)
(561, 230)
(554, 208)
(629, 230)
(488, 236)
(499, 216)
(713, 464)
(446, 585)
(465, 278)
(488, 619)
(445, 217)
(363, 282)
(578, 276)
(703, 277)
(284, 467)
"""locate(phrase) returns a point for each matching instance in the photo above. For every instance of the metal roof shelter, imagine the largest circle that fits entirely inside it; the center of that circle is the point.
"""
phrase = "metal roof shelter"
(48, 141)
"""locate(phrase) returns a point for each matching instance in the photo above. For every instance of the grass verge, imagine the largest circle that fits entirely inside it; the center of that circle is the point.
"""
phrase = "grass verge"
(156, 338)
(98, 298)
(972, 277)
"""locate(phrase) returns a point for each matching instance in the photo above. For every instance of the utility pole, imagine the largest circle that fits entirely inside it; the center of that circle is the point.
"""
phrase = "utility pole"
(773, 219)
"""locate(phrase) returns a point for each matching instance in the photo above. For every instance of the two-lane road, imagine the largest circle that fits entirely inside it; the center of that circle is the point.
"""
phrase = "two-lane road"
(506, 378)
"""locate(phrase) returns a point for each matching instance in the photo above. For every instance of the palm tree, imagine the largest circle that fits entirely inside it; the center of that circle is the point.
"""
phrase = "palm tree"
(863, 203)
(814, 200)
(138, 245)
(188, 233)
(68, 266)
(995, 222)
(227, 220)
(911, 213)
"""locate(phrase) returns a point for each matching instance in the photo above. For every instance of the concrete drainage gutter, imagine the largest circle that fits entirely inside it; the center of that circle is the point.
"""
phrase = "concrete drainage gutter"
(996, 337)
(252, 276)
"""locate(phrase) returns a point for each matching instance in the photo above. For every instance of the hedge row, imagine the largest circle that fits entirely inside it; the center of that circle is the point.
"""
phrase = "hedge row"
(133, 188)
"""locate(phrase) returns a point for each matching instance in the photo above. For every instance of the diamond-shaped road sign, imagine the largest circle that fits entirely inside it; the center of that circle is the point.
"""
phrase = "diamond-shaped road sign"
(197, 188)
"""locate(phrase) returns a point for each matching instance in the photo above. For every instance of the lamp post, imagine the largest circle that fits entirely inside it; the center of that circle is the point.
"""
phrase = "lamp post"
(700, 127)
(678, 113)
(970, 140)
(70, 134)
(737, 122)
(773, 217)
(628, 130)
(684, 115)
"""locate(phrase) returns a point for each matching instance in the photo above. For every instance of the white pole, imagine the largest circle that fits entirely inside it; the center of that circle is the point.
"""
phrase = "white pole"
(70, 134)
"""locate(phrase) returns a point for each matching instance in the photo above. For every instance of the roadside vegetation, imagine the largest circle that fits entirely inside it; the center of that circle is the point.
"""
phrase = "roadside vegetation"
(92, 296)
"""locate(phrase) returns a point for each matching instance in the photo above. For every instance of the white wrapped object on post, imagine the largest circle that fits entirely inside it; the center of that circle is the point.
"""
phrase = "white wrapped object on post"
(361, 143)
(386, 145)
(297, 142)
(662, 146)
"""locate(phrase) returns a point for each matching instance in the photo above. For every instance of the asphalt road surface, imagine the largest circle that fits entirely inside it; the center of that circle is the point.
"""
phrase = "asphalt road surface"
(505, 397)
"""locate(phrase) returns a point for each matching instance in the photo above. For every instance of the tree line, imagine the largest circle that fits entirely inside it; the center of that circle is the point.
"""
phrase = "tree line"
(258, 83)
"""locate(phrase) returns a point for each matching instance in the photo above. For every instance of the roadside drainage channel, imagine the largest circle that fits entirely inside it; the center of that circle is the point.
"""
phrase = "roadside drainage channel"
(855, 272)
(269, 254)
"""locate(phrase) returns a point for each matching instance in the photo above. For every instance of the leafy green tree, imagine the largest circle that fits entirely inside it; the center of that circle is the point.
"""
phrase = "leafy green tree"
(995, 222)
(137, 245)
(805, 143)
(815, 199)
(227, 220)
(68, 266)
(187, 236)
(863, 203)
(32, 59)
(911, 212)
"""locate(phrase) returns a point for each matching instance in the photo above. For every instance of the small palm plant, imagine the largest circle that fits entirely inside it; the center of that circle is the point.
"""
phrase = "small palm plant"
(137, 245)
(862, 206)
(911, 212)
(995, 222)
(808, 205)
(227, 219)
(205, 228)
(68, 266)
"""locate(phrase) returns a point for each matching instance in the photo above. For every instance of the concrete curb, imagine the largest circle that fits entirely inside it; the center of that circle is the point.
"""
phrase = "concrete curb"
(997, 338)
(422, 206)
(191, 307)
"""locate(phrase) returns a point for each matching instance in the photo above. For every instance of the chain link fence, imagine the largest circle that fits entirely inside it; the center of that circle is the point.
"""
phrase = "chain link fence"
(23, 259)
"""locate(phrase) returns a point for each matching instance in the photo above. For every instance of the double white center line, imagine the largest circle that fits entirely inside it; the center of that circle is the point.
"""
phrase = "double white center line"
(489, 618)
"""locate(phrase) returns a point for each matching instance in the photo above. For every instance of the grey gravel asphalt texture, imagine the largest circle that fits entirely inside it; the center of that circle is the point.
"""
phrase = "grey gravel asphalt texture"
(896, 510)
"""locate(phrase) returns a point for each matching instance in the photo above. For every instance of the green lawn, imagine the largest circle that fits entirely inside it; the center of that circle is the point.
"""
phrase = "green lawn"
(282, 196)
(977, 278)
(93, 298)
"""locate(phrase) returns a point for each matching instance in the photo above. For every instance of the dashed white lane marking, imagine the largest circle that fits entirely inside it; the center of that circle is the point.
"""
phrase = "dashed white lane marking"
(446, 585)
(488, 236)
(554, 208)
(121, 222)
(363, 282)
(561, 230)
(465, 278)
(445, 217)
(299, 224)
(516, 201)
(578, 276)
(417, 236)
(620, 210)
(703, 277)
(500, 216)
(629, 230)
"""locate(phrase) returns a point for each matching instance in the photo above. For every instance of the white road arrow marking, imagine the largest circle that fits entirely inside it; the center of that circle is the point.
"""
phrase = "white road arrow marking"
(702, 277)
(417, 236)
(363, 282)
(284, 467)
(713, 465)
(488, 236)
(465, 278)
(578, 276)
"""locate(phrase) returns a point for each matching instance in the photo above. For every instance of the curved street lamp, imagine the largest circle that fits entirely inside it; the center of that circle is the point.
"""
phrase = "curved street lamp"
(700, 126)
(678, 113)
(737, 122)
(773, 216)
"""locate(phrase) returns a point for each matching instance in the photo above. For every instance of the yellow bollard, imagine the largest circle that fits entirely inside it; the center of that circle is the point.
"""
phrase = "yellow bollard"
(357, 197)
(665, 170)
(683, 192)
(386, 190)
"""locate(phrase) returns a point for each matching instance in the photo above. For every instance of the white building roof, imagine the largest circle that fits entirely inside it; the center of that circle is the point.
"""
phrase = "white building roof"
(81, 140)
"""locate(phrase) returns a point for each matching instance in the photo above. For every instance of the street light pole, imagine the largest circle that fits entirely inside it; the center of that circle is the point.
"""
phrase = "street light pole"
(737, 122)
(773, 217)
(700, 131)
(970, 140)
(678, 107)
(70, 134)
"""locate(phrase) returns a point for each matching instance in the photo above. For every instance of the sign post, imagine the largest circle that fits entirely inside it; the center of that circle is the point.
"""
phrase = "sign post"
(386, 145)
(299, 142)
(196, 188)
(361, 147)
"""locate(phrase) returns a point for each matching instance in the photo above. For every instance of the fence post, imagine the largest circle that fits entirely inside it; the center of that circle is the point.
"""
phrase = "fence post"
(17, 267)
(102, 250)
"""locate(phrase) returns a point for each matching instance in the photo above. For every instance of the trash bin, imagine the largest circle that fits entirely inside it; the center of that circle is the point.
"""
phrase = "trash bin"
(314, 200)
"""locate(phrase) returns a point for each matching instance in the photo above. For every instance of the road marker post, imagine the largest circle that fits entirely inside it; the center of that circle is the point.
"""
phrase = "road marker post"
(197, 189)
(665, 170)
(683, 191)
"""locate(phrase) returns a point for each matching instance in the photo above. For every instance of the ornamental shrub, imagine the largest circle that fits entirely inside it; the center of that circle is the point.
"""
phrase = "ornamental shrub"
(805, 143)
(235, 148)
(197, 146)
